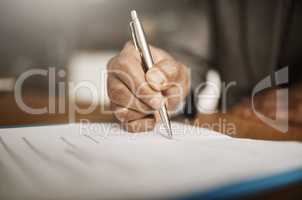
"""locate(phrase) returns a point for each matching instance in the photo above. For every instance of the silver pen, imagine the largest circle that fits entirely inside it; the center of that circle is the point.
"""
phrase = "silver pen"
(140, 43)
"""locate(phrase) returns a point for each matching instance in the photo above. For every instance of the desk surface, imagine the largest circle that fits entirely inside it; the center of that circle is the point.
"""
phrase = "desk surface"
(246, 123)
(239, 121)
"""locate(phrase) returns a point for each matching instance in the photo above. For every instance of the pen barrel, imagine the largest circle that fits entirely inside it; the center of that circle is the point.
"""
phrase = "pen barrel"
(142, 44)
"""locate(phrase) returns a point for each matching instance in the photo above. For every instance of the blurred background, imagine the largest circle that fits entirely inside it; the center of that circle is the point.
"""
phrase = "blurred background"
(238, 40)
(80, 36)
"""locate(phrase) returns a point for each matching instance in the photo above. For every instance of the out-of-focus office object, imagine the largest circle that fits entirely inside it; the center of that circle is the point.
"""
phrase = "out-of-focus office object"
(43, 34)
(39, 34)
(7, 84)
(90, 67)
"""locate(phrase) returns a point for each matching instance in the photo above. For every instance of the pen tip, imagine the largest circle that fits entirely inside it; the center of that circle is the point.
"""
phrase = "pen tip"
(133, 14)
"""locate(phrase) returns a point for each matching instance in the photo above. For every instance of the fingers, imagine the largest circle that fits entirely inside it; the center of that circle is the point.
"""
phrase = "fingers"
(159, 54)
(136, 95)
(125, 114)
(171, 78)
(128, 69)
(133, 121)
(129, 49)
(164, 74)
(176, 94)
(119, 94)
(133, 114)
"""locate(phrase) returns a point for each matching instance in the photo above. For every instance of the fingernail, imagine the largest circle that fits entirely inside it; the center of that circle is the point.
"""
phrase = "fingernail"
(156, 102)
(156, 77)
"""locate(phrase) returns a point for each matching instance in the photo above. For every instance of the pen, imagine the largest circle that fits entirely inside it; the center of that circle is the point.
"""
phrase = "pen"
(140, 43)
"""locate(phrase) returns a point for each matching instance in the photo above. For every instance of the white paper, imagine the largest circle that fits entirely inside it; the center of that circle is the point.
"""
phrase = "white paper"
(101, 161)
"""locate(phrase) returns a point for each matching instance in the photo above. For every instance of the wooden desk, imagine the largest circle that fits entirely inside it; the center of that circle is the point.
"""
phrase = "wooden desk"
(248, 125)
(239, 121)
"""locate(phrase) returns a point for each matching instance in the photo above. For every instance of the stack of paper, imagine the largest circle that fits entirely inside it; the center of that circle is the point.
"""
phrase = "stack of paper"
(101, 161)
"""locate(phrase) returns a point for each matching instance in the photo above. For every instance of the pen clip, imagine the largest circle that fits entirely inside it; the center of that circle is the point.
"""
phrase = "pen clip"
(133, 35)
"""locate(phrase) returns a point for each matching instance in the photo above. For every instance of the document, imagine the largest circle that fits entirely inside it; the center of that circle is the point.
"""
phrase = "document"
(101, 161)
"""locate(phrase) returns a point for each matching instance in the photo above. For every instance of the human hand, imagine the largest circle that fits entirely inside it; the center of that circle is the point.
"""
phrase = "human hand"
(136, 95)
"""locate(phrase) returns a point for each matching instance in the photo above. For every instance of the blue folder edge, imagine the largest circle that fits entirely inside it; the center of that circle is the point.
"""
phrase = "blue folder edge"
(248, 187)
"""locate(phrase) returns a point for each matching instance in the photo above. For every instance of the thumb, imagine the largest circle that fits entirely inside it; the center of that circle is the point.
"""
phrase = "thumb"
(163, 74)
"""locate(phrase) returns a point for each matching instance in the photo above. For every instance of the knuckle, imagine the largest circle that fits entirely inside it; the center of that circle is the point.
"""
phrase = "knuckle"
(170, 68)
(129, 50)
(159, 54)
(115, 91)
(141, 89)
(118, 64)
(122, 115)
(119, 117)
(123, 61)
(126, 63)
(128, 43)
(128, 46)
(144, 91)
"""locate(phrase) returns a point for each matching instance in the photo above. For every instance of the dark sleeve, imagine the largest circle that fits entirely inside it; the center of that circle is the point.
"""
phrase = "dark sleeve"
(248, 38)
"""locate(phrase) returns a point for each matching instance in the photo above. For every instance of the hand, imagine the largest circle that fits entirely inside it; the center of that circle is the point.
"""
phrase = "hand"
(136, 95)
